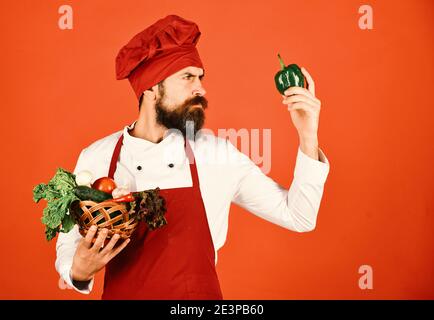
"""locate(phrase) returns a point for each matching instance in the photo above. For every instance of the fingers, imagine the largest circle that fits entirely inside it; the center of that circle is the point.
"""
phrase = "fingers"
(89, 237)
(295, 90)
(111, 244)
(298, 90)
(298, 98)
(99, 242)
(121, 247)
(309, 80)
(299, 102)
(302, 102)
(301, 106)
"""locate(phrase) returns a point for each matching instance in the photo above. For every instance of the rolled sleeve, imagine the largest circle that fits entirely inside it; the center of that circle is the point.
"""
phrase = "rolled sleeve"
(308, 170)
(66, 276)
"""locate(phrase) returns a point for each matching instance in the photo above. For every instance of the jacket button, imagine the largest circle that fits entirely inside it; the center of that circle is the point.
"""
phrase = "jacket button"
(139, 167)
(171, 165)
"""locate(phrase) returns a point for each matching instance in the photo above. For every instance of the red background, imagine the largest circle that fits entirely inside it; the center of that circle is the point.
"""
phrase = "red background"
(59, 94)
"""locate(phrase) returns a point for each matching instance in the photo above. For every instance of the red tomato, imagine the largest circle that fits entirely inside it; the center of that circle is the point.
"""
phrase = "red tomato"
(104, 184)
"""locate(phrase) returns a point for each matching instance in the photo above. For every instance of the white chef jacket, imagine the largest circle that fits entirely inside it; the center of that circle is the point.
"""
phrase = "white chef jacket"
(225, 175)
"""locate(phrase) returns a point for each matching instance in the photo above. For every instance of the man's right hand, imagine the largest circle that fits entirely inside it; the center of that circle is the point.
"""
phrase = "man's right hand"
(89, 259)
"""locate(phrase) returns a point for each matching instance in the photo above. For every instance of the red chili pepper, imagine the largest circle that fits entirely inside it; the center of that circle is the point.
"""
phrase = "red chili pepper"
(126, 198)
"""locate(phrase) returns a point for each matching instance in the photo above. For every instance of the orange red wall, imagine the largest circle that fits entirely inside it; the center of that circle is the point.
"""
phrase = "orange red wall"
(59, 94)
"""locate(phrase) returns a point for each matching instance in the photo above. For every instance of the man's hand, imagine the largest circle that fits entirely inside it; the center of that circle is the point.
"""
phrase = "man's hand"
(304, 108)
(89, 259)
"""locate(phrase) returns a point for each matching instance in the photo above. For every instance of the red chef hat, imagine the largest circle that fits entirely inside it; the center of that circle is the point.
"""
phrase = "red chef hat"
(157, 52)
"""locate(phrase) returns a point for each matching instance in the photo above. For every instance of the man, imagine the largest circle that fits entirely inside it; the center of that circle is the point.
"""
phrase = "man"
(178, 260)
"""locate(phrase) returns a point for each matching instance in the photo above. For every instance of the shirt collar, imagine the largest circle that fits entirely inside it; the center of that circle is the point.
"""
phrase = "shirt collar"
(146, 145)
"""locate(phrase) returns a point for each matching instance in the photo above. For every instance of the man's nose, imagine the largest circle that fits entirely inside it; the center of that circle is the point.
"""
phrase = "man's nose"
(199, 91)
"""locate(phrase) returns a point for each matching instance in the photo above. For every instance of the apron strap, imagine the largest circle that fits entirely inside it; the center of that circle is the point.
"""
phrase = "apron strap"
(115, 157)
(189, 152)
(191, 160)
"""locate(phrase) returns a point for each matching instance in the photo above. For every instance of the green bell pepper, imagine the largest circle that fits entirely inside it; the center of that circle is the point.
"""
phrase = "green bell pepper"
(290, 76)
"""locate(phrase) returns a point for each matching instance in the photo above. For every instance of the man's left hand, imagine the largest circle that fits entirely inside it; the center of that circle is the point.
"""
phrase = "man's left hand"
(304, 108)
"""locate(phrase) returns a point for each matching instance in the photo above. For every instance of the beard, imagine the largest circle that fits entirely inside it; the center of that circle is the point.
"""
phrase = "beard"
(179, 117)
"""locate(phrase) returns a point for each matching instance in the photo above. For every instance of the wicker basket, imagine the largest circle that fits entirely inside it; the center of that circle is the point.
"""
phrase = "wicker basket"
(115, 217)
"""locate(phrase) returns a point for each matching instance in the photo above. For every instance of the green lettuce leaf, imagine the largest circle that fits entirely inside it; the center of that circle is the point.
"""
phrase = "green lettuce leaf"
(59, 193)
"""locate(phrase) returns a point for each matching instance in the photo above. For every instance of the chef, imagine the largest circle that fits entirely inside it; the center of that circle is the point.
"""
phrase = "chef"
(178, 260)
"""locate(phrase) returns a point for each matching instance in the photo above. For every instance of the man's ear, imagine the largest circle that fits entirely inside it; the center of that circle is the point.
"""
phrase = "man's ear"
(151, 93)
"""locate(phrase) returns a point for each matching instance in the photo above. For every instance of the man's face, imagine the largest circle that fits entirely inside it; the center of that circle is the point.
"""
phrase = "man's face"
(181, 100)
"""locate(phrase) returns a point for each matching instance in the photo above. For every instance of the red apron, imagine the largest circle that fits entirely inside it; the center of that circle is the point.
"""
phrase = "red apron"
(176, 261)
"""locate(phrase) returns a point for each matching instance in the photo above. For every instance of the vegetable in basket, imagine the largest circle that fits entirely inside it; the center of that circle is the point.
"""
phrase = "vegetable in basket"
(59, 193)
(104, 184)
(125, 198)
(65, 191)
(86, 193)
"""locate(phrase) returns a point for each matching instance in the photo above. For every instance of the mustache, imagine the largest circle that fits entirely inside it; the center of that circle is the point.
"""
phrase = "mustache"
(197, 100)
